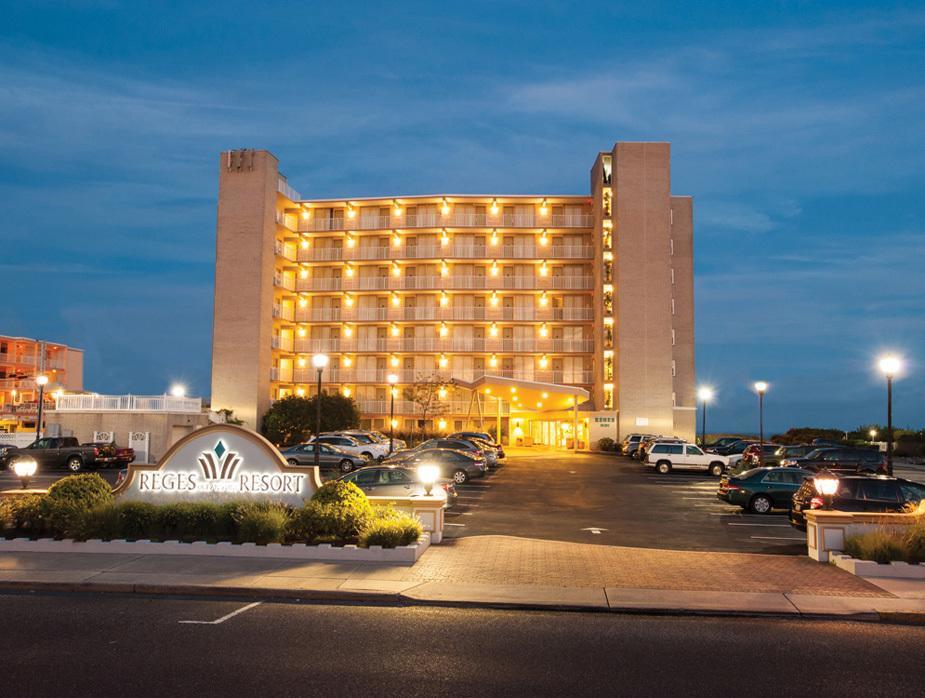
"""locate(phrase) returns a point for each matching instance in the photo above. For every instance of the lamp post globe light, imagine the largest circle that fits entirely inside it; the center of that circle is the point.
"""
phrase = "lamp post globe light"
(41, 381)
(705, 394)
(320, 362)
(761, 387)
(889, 366)
(25, 468)
(178, 390)
(392, 379)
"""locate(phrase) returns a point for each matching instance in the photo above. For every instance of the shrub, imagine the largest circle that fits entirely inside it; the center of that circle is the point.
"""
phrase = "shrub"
(606, 444)
(914, 542)
(340, 492)
(261, 522)
(21, 513)
(880, 546)
(70, 499)
(336, 523)
(390, 528)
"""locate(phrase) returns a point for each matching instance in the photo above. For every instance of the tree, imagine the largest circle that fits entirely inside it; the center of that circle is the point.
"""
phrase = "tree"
(226, 416)
(292, 419)
(425, 394)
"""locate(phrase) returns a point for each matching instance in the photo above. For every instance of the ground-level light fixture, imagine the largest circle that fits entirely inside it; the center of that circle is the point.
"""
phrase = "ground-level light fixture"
(428, 475)
(25, 469)
(826, 485)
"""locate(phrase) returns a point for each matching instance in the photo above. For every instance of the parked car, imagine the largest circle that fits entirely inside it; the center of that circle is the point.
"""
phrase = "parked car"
(874, 493)
(840, 460)
(722, 443)
(112, 455)
(398, 481)
(330, 457)
(631, 444)
(649, 442)
(55, 452)
(350, 444)
(488, 454)
(458, 466)
(792, 451)
(760, 490)
(665, 457)
(480, 437)
(735, 448)
(371, 437)
(751, 458)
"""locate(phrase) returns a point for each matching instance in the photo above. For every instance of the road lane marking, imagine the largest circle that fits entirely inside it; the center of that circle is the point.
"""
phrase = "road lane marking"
(594, 530)
(223, 618)
(447, 523)
(802, 540)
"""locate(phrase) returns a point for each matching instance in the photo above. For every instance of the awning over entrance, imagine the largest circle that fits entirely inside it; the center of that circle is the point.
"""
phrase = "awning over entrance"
(527, 396)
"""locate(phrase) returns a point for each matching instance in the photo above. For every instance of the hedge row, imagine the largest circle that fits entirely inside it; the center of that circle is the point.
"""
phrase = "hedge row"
(82, 507)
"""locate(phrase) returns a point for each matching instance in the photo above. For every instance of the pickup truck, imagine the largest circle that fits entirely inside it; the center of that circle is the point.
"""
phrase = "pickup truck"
(55, 452)
(112, 455)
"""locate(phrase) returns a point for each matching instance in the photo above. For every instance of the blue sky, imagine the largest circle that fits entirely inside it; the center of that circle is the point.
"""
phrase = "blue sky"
(797, 127)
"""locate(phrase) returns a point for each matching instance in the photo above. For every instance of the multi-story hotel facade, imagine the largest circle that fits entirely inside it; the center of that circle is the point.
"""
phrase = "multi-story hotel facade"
(549, 315)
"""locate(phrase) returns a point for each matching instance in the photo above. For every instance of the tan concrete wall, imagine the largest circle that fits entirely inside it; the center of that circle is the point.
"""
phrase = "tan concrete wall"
(682, 262)
(642, 230)
(244, 265)
(165, 428)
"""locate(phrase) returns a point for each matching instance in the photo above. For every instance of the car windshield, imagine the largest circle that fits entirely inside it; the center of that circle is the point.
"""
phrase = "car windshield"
(362, 438)
(815, 454)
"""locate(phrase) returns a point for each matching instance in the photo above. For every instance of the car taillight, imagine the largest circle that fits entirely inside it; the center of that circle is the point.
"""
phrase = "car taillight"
(733, 487)
(816, 503)
(96, 451)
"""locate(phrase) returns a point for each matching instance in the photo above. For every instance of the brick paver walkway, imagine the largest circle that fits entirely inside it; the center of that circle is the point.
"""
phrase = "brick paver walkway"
(510, 560)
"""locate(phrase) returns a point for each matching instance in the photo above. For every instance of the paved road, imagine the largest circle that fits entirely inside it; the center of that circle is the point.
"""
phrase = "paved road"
(557, 496)
(104, 645)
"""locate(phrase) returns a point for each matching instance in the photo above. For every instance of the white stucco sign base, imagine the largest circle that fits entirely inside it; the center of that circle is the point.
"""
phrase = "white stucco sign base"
(220, 462)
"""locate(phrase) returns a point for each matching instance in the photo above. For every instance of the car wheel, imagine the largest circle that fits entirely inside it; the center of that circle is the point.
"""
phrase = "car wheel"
(716, 469)
(760, 504)
(367, 454)
(380, 459)
(460, 477)
(74, 464)
(292, 461)
(346, 465)
(663, 466)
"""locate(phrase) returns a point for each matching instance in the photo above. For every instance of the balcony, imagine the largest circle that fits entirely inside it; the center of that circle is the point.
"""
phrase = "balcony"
(281, 312)
(281, 281)
(320, 254)
(304, 345)
(451, 220)
(406, 376)
(128, 403)
(318, 315)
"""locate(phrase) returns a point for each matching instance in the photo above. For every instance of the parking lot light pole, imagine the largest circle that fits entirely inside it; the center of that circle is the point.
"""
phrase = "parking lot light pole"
(890, 365)
(705, 394)
(761, 388)
(41, 381)
(392, 379)
(319, 361)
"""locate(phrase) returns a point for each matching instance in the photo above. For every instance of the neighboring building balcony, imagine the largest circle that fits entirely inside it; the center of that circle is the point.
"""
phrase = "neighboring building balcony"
(451, 220)
(127, 403)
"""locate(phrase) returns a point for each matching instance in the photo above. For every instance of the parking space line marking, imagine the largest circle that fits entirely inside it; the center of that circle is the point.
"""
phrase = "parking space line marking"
(703, 496)
(802, 540)
(223, 618)
(730, 523)
(447, 523)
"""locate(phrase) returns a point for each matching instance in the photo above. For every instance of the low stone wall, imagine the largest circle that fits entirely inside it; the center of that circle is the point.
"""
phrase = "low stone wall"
(826, 531)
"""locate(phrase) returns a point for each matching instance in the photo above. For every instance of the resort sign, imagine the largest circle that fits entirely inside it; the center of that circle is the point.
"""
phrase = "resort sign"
(220, 462)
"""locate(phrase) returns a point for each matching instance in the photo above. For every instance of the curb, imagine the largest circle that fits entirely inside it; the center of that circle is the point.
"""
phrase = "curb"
(400, 599)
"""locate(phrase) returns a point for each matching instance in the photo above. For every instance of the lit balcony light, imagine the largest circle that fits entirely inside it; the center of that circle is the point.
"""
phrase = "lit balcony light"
(346, 391)
(608, 353)
(301, 331)
(394, 423)
(300, 392)
(494, 268)
(300, 362)
(348, 331)
(396, 240)
(543, 299)
(396, 301)
(349, 270)
(443, 362)
(493, 330)
(347, 361)
(444, 269)
(348, 300)
(494, 237)
(488, 391)
(444, 330)
(444, 300)
(303, 273)
(444, 239)
(442, 393)
(445, 208)
(493, 361)
(351, 241)
(303, 302)
(351, 211)
(493, 299)
(539, 405)
(544, 269)
(395, 331)
(513, 390)
(544, 239)
(608, 320)
(441, 424)
(608, 256)
(544, 331)
(306, 213)
(543, 361)
(608, 288)
(396, 270)
(396, 208)
(544, 207)
(304, 243)
(494, 207)
(394, 361)
(545, 395)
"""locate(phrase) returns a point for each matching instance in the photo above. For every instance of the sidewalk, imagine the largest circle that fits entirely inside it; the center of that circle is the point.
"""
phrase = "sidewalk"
(497, 571)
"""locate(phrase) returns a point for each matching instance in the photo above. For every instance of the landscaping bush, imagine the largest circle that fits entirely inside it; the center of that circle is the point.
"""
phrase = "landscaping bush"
(914, 542)
(261, 522)
(607, 444)
(68, 501)
(880, 546)
(390, 528)
(23, 513)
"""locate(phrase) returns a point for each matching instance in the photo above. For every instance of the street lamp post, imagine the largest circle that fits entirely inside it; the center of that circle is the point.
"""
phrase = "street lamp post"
(392, 379)
(890, 365)
(761, 388)
(705, 394)
(41, 381)
(319, 361)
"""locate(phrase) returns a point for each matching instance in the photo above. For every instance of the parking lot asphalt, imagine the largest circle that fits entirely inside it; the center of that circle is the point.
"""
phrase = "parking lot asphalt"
(613, 500)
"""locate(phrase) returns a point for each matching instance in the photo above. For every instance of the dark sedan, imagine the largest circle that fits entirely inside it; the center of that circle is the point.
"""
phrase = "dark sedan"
(398, 481)
(330, 457)
(873, 493)
(762, 489)
(840, 460)
(458, 466)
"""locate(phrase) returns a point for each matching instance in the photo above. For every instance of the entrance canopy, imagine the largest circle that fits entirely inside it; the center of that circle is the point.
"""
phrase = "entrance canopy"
(527, 396)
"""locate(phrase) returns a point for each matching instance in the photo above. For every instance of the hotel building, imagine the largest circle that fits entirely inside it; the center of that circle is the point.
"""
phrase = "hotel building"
(21, 361)
(551, 315)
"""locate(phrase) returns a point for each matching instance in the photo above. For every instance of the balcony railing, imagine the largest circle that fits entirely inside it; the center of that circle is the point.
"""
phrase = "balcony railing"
(282, 186)
(407, 376)
(127, 403)
(451, 220)
(439, 345)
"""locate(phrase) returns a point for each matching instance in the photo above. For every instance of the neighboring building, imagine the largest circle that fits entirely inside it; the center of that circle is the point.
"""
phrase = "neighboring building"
(151, 423)
(546, 300)
(21, 360)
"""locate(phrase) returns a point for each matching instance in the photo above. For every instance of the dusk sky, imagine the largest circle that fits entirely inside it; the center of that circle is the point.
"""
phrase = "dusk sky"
(797, 127)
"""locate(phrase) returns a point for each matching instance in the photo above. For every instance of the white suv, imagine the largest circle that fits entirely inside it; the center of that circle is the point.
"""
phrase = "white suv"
(666, 457)
(372, 451)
